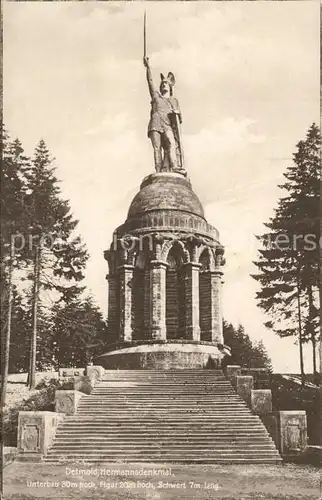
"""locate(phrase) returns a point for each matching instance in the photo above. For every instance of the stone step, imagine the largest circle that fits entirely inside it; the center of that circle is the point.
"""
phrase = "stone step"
(162, 451)
(120, 400)
(171, 418)
(175, 389)
(109, 428)
(164, 414)
(234, 435)
(135, 411)
(130, 449)
(150, 401)
(166, 381)
(96, 417)
(141, 441)
(164, 397)
(135, 392)
(170, 459)
(162, 404)
(161, 370)
(188, 416)
(62, 436)
(118, 403)
(167, 426)
(165, 376)
(176, 415)
(193, 394)
(167, 457)
(149, 430)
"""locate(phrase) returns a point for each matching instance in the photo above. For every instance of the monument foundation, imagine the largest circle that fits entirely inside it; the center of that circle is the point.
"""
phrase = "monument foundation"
(165, 281)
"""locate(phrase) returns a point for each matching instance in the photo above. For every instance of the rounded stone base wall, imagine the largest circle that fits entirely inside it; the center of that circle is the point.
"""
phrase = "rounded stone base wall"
(164, 356)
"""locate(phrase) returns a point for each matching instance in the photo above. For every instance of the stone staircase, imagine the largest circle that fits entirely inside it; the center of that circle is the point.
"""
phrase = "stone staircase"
(187, 416)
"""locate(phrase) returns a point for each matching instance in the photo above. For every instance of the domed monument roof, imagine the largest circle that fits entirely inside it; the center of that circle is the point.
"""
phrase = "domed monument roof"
(165, 191)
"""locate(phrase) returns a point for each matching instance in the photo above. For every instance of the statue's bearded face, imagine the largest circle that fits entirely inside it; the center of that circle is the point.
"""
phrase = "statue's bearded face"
(165, 87)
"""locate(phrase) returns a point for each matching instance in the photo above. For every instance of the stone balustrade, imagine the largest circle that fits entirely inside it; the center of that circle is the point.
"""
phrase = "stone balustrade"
(70, 372)
(261, 401)
(94, 373)
(232, 371)
(244, 387)
(66, 401)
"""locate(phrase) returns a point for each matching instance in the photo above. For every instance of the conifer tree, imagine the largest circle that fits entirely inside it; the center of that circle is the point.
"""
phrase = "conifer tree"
(288, 261)
(15, 166)
(58, 256)
(244, 352)
(79, 332)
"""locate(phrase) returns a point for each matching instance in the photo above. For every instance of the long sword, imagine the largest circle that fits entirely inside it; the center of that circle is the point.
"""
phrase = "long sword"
(179, 136)
(144, 35)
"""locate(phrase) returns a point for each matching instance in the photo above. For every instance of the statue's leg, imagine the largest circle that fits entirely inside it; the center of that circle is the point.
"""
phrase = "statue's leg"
(171, 148)
(156, 143)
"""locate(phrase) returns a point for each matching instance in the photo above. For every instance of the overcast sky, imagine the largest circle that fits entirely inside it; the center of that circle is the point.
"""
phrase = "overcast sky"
(248, 84)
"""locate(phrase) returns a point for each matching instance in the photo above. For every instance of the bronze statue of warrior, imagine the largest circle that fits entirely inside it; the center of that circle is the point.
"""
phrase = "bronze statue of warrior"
(164, 125)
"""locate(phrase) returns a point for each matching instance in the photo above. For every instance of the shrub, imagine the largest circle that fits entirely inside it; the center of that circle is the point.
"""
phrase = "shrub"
(41, 401)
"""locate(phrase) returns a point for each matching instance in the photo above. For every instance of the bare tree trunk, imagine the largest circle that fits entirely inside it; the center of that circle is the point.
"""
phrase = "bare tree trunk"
(35, 301)
(313, 339)
(6, 346)
(320, 294)
(300, 333)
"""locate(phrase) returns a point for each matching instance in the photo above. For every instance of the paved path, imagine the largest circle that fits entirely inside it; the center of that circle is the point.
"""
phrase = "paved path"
(160, 482)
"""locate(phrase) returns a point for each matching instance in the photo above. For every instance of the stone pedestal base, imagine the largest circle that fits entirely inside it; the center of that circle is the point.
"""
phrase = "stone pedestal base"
(164, 356)
(261, 401)
(293, 432)
(244, 387)
(66, 401)
(36, 431)
(232, 371)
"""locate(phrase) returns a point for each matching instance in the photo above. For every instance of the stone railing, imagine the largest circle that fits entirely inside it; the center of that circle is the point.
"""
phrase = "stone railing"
(288, 429)
(163, 220)
(37, 429)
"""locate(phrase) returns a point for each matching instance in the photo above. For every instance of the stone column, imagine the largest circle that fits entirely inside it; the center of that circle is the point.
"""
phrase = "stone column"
(216, 307)
(126, 280)
(113, 296)
(192, 300)
(113, 320)
(158, 300)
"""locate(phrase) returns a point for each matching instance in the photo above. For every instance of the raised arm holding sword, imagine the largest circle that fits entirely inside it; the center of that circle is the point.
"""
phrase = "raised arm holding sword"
(165, 119)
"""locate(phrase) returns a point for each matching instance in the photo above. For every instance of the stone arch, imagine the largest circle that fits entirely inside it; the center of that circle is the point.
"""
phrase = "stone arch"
(207, 261)
(175, 291)
(202, 249)
(168, 244)
(110, 257)
(138, 293)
